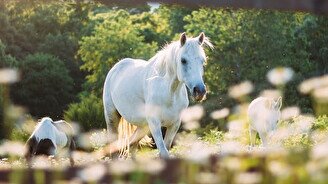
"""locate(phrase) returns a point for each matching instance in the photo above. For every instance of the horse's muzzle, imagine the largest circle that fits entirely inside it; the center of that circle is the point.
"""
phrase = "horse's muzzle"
(199, 92)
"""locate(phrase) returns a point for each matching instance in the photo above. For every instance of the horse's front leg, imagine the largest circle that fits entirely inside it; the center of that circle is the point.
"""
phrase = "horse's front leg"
(155, 129)
(171, 131)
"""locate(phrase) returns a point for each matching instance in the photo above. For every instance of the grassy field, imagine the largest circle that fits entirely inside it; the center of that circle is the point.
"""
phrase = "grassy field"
(297, 150)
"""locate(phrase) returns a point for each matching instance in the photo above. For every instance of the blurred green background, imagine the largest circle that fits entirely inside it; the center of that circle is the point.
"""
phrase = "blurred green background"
(64, 50)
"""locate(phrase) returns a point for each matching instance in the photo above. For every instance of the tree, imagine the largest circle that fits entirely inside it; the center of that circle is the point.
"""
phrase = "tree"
(248, 44)
(45, 87)
(89, 112)
(114, 39)
(6, 60)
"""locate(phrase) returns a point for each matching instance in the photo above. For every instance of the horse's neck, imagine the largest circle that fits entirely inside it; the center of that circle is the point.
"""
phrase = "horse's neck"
(163, 63)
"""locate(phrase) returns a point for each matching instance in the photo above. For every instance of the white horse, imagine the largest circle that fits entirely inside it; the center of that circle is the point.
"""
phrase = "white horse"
(152, 94)
(48, 137)
(263, 114)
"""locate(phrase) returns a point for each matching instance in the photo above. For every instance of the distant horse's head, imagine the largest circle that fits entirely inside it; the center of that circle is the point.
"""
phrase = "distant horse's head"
(190, 64)
(45, 147)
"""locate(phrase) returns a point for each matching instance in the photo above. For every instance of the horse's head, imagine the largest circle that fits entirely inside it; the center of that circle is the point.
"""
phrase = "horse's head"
(190, 64)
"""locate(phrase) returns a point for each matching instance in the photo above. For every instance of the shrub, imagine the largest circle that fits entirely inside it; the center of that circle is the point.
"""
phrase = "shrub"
(45, 87)
(88, 113)
(321, 123)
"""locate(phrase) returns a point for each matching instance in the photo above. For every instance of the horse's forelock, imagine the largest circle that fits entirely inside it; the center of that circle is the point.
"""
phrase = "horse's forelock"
(171, 50)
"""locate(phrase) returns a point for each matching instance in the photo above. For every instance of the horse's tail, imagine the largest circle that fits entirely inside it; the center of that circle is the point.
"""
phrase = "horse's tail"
(125, 132)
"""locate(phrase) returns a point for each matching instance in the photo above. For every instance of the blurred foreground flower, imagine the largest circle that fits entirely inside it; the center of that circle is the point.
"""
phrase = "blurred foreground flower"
(321, 94)
(241, 89)
(92, 172)
(94, 139)
(82, 158)
(303, 124)
(232, 147)
(320, 151)
(191, 116)
(200, 152)
(280, 75)
(290, 112)
(190, 125)
(248, 178)
(219, 114)
(121, 167)
(207, 178)
(277, 137)
(99, 139)
(271, 93)
(8, 75)
(151, 165)
(190, 146)
(12, 148)
(41, 162)
(279, 169)
(193, 113)
(311, 84)
(236, 129)
(319, 137)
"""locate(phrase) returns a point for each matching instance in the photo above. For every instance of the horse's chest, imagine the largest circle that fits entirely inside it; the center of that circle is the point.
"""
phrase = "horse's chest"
(171, 114)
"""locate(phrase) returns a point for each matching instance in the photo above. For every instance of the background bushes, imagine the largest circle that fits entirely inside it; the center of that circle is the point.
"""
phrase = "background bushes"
(64, 51)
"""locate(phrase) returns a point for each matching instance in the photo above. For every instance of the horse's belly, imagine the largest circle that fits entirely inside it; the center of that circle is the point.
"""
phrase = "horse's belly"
(170, 116)
(131, 109)
(126, 89)
(133, 115)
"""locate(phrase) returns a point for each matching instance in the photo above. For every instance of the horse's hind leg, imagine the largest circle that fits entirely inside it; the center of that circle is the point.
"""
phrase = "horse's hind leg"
(112, 118)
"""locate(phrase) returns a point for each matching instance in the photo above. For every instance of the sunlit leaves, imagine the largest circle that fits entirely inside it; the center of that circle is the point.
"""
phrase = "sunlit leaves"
(116, 38)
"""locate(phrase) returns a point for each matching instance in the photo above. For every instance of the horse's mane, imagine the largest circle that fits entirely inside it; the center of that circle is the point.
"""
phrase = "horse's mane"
(165, 58)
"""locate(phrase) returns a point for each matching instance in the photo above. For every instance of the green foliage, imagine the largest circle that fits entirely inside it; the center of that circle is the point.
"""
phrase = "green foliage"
(321, 123)
(64, 46)
(18, 134)
(298, 141)
(89, 38)
(153, 27)
(5, 59)
(116, 38)
(248, 44)
(45, 87)
(213, 136)
(88, 113)
(1, 108)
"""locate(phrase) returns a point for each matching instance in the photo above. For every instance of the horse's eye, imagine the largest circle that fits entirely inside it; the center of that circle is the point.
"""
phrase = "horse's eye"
(183, 61)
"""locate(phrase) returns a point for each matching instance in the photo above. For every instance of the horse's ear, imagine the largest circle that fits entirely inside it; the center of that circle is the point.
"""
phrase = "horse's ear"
(201, 38)
(183, 39)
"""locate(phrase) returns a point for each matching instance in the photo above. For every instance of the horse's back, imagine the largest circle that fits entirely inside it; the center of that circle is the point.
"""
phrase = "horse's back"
(44, 130)
(259, 104)
(65, 127)
(124, 88)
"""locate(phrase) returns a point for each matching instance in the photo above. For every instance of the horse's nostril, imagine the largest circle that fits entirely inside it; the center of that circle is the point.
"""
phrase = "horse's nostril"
(196, 90)
(199, 91)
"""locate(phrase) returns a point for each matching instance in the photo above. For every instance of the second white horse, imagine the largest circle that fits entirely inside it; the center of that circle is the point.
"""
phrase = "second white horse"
(263, 114)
